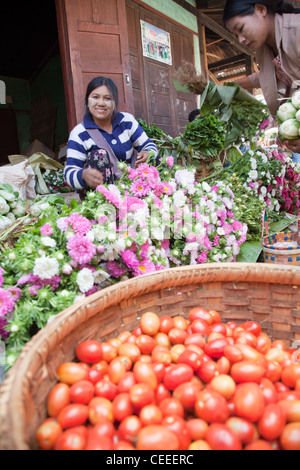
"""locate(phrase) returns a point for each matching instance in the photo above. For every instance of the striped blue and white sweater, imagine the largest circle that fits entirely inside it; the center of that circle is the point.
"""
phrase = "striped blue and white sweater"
(127, 135)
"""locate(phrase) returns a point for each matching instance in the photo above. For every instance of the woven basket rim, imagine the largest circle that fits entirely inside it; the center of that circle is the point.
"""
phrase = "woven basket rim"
(18, 377)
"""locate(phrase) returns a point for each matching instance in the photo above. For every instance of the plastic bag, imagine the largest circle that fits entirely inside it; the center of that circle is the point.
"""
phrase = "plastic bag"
(21, 177)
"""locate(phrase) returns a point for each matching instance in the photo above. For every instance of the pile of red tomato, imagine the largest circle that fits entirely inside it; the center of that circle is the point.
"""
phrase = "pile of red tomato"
(177, 384)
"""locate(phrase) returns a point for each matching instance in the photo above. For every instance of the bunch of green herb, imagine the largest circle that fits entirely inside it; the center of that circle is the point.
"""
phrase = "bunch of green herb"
(206, 135)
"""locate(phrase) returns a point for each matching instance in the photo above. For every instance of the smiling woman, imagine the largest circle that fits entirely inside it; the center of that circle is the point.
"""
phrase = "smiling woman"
(272, 30)
(104, 138)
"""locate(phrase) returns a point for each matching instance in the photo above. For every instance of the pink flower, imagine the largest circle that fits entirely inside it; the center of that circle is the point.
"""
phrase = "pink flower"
(6, 302)
(81, 249)
(167, 188)
(143, 268)
(81, 225)
(170, 161)
(236, 226)
(215, 188)
(227, 228)
(115, 270)
(140, 188)
(202, 258)
(15, 293)
(113, 198)
(130, 259)
(92, 291)
(3, 333)
(46, 230)
(264, 124)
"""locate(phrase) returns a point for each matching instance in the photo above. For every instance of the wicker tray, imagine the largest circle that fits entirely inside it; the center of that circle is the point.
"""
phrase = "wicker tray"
(239, 291)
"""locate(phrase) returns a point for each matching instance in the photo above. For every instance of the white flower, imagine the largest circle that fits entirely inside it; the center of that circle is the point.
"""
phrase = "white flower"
(85, 280)
(220, 231)
(179, 198)
(46, 267)
(253, 163)
(206, 187)
(67, 268)
(253, 174)
(100, 276)
(48, 241)
(263, 190)
(184, 177)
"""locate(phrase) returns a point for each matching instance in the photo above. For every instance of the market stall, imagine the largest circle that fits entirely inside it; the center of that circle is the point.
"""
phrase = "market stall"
(200, 213)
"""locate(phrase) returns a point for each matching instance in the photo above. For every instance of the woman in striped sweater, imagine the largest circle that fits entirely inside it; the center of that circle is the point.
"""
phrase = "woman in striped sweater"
(89, 164)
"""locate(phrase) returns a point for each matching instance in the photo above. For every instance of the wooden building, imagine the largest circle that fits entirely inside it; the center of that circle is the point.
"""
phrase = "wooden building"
(49, 54)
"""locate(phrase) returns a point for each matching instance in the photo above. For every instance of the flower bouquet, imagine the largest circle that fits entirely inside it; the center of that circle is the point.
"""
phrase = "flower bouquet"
(153, 218)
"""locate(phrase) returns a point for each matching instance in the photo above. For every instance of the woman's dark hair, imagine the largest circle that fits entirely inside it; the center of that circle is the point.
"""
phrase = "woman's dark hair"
(246, 7)
(102, 81)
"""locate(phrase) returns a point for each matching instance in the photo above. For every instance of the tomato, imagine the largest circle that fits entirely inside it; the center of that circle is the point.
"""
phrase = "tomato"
(159, 370)
(273, 372)
(221, 437)
(166, 324)
(100, 409)
(215, 316)
(180, 322)
(71, 372)
(200, 444)
(82, 392)
(215, 348)
(58, 398)
(199, 326)
(126, 382)
(263, 343)
(259, 444)
(151, 414)
(249, 401)
(161, 392)
(171, 406)
(157, 437)
(224, 365)
(177, 374)
(161, 354)
(141, 394)
(130, 350)
(200, 313)
(100, 366)
(187, 393)
(211, 407)
(191, 358)
(73, 415)
(233, 353)
(252, 326)
(290, 375)
(220, 328)
(291, 409)
(247, 371)
(179, 427)
(272, 422)
(269, 391)
(72, 439)
(89, 351)
(129, 428)
(47, 434)
(275, 355)
(94, 443)
(104, 428)
(116, 370)
(144, 373)
(177, 335)
(145, 343)
(150, 323)
(106, 389)
(195, 338)
(197, 428)
(109, 352)
(244, 430)
(290, 395)
(123, 445)
(95, 376)
(176, 350)
(290, 437)
(162, 339)
(122, 406)
(208, 370)
(224, 385)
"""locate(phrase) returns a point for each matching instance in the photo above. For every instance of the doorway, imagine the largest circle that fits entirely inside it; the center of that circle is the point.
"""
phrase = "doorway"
(30, 67)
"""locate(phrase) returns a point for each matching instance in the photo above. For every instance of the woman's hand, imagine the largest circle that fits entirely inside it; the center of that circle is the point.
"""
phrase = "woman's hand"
(142, 158)
(92, 177)
(293, 145)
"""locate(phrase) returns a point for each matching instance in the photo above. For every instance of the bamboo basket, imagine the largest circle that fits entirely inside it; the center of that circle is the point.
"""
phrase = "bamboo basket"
(239, 291)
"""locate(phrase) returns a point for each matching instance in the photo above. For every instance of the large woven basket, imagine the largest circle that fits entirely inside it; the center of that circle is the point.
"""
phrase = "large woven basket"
(264, 293)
